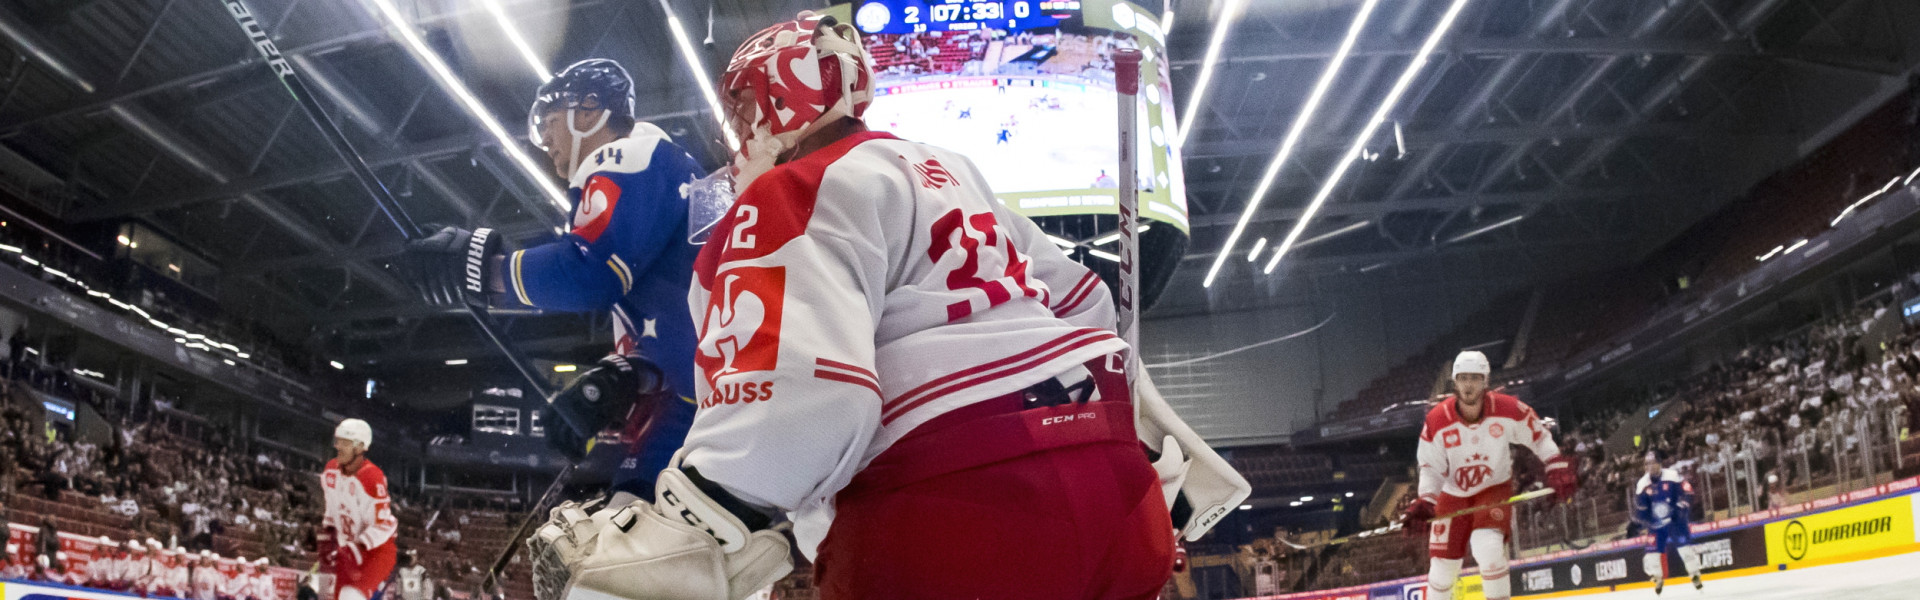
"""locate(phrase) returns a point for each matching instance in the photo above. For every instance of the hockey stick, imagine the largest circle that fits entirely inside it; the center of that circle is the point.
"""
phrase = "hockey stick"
(409, 229)
(1401, 525)
(1126, 81)
(492, 580)
(397, 214)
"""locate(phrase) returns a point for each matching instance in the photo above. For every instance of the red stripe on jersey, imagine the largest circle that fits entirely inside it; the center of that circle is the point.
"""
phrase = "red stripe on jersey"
(964, 379)
(845, 367)
(845, 378)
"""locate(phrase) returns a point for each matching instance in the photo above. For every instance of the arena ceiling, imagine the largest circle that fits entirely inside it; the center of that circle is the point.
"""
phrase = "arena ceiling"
(1608, 125)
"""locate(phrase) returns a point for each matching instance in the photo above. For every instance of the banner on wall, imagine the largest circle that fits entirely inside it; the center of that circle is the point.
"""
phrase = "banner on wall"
(1854, 529)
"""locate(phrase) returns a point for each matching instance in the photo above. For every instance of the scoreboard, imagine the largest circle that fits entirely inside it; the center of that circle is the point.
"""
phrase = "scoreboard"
(919, 16)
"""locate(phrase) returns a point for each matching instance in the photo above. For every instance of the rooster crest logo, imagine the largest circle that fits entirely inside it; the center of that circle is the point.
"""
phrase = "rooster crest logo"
(731, 325)
(741, 331)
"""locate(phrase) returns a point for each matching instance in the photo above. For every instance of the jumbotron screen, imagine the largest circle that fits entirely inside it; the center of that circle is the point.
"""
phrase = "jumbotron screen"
(1025, 89)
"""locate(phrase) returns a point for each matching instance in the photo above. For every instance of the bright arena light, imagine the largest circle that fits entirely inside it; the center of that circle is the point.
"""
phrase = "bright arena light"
(519, 42)
(1287, 144)
(699, 73)
(1373, 126)
(1228, 14)
(400, 27)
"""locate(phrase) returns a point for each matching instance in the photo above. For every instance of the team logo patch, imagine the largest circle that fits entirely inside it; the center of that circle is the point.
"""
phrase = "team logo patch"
(933, 176)
(1498, 430)
(741, 330)
(595, 210)
(1470, 477)
(1450, 439)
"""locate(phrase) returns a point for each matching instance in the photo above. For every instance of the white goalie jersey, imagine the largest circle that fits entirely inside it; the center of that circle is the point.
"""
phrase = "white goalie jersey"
(858, 292)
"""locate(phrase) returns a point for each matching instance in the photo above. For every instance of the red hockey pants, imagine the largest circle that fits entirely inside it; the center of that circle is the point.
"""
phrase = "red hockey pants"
(996, 501)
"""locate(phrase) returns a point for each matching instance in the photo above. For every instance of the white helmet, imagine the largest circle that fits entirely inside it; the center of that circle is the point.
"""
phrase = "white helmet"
(359, 431)
(1471, 361)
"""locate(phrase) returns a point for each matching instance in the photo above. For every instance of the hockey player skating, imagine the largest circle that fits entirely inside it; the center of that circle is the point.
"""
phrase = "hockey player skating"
(1663, 504)
(358, 528)
(627, 250)
(908, 370)
(1466, 461)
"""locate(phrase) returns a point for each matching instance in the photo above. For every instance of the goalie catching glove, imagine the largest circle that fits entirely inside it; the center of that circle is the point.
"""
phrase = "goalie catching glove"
(696, 542)
(452, 266)
(1200, 487)
(601, 398)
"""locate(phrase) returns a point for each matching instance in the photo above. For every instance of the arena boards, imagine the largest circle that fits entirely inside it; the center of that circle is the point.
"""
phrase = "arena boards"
(1795, 551)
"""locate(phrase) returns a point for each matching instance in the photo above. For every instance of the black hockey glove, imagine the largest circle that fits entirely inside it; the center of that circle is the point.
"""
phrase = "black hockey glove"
(601, 398)
(452, 266)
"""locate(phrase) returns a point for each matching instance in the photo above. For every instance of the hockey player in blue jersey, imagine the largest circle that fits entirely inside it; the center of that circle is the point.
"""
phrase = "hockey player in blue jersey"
(1663, 503)
(627, 250)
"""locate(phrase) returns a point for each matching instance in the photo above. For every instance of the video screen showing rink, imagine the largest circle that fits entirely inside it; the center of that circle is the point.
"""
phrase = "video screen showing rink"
(1026, 134)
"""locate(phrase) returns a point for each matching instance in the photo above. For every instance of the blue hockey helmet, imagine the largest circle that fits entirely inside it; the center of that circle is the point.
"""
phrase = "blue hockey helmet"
(592, 84)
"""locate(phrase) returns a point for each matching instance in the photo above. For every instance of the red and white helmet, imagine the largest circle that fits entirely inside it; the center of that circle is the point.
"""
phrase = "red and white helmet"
(803, 73)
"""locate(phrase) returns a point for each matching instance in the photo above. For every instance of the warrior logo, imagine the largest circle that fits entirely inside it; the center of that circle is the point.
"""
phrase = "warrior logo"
(742, 327)
(1450, 439)
(1470, 477)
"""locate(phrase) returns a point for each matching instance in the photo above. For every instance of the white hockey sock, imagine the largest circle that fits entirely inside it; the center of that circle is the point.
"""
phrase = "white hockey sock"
(1691, 558)
(1440, 578)
(1490, 552)
(1656, 567)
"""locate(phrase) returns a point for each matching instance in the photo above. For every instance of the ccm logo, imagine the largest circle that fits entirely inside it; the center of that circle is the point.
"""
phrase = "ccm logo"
(1065, 418)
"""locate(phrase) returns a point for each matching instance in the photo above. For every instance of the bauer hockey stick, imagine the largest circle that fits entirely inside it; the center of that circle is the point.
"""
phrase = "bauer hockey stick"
(1398, 525)
(409, 229)
(397, 214)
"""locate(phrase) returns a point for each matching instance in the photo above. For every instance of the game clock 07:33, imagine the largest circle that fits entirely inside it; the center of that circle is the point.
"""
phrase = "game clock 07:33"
(917, 16)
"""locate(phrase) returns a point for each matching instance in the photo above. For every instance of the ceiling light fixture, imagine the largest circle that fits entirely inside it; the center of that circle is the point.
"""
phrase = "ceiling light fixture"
(1228, 12)
(1503, 223)
(400, 27)
(1350, 228)
(1258, 245)
(1104, 254)
(1287, 144)
(519, 42)
(1770, 253)
(455, 362)
(699, 73)
(1379, 118)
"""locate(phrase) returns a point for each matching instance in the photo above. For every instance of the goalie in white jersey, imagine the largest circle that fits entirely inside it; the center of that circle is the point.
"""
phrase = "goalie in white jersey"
(1466, 461)
(907, 369)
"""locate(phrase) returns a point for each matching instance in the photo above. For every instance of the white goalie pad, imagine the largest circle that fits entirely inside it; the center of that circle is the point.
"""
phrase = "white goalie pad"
(1212, 488)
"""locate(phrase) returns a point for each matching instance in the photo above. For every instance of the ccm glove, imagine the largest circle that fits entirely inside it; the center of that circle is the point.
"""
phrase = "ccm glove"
(601, 398)
(452, 266)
